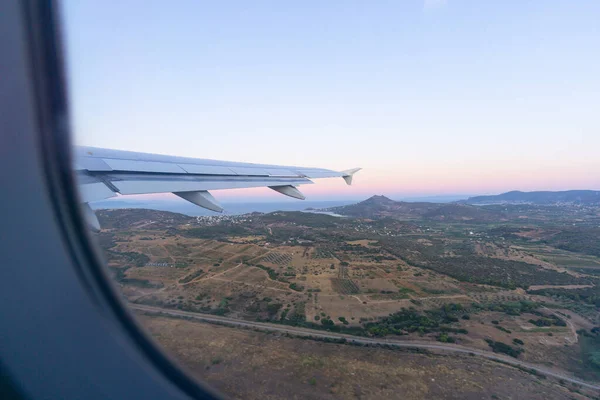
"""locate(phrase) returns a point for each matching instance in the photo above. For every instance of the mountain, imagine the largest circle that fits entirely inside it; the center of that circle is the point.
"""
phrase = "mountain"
(381, 206)
(584, 197)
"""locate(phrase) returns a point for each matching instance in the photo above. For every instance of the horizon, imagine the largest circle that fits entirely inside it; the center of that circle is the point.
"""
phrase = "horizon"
(428, 100)
(268, 196)
(240, 206)
(166, 198)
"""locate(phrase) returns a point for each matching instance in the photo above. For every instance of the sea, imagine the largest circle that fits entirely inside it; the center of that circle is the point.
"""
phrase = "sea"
(237, 208)
(181, 206)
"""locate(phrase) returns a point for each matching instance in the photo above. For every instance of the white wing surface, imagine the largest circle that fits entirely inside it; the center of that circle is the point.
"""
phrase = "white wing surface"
(104, 173)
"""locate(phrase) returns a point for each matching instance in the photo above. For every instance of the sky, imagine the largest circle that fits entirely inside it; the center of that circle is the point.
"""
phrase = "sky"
(433, 97)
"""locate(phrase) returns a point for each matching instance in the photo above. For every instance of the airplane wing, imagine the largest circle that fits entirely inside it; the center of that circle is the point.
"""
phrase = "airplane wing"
(104, 173)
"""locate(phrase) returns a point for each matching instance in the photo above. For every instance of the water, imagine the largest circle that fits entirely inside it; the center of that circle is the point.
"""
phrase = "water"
(330, 213)
(236, 208)
(184, 207)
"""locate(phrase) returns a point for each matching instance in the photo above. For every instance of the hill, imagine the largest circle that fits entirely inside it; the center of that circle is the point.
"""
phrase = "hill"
(377, 207)
(381, 206)
(584, 197)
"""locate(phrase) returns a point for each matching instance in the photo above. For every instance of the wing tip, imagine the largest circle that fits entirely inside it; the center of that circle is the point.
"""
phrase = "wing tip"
(348, 174)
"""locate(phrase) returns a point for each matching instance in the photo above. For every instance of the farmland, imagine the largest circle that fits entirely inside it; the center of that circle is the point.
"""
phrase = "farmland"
(487, 280)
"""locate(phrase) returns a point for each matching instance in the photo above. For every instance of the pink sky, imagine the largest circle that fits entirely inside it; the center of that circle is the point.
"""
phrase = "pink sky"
(430, 181)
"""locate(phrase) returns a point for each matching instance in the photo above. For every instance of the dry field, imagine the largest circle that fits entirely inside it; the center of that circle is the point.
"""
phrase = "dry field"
(248, 278)
(254, 365)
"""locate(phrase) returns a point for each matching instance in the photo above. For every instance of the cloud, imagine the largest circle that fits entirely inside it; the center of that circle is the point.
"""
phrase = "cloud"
(434, 4)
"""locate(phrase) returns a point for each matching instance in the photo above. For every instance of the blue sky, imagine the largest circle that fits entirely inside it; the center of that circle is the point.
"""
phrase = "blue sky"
(429, 97)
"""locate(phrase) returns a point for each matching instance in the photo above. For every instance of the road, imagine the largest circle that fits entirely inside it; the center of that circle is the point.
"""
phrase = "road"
(572, 328)
(329, 335)
(212, 276)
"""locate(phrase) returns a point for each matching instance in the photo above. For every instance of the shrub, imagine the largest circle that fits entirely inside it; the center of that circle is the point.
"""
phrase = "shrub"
(499, 347)
(273, 308)
(502, 329)
(296, 287)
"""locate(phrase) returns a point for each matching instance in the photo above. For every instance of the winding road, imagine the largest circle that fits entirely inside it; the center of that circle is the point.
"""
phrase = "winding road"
(355, 339)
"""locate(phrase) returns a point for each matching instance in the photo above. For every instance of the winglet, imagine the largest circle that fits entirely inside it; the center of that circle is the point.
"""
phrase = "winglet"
(348, 175)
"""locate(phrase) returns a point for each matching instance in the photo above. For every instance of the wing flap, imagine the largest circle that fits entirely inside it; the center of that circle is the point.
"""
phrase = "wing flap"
(206, 169)
(143, 166)
(143, 185)
(249, 171)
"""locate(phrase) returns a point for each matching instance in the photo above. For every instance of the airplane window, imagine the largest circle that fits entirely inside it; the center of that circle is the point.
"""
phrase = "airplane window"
(348, 199)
